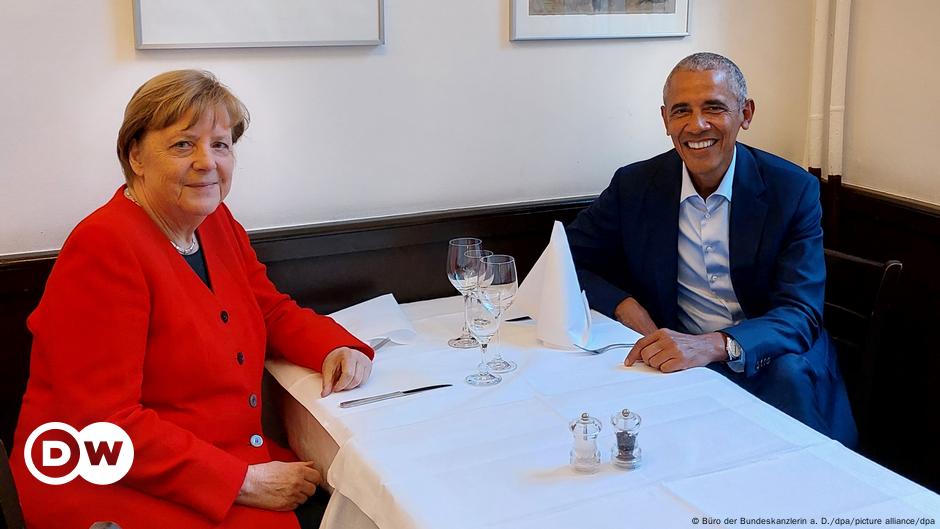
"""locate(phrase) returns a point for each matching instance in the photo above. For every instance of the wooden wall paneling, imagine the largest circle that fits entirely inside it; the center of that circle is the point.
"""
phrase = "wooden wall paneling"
(330, 268)
(906, 395)
(21, 285)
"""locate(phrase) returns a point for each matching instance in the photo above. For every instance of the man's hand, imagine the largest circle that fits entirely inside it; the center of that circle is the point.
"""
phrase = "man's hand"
(278, 486)
(669, 351)
(630, 313)
(344, 368)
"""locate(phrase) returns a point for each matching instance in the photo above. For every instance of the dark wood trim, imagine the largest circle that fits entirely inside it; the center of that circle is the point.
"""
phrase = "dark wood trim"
(402, 230)
(882, 227)
(9, 499)
(831, 221)
(924, 214)
(898, 201)
(404, 254)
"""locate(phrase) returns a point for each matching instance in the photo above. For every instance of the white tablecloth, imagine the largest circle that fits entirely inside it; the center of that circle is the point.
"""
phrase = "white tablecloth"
(467, 457)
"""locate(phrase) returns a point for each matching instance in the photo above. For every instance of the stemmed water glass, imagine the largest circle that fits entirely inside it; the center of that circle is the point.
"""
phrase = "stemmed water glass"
(462, 272)
(499, 280)
(482, 315)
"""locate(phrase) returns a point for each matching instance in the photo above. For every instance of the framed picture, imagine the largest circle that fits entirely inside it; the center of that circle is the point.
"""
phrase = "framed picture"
(598, 19)
(257, 23)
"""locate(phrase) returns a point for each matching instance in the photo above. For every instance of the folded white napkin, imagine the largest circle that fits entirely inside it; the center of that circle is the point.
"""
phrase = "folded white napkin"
(377, 319)
(370, 321)
(552, 296)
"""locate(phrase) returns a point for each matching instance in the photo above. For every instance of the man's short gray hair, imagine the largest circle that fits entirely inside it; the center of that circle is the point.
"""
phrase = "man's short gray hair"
(705, 61)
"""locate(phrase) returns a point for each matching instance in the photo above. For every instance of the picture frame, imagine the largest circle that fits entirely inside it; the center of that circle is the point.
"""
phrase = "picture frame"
(163, 24)
(598, 19)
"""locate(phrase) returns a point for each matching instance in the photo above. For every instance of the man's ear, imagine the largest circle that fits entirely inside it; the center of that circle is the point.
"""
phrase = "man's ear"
(748, 111)
(662, 111)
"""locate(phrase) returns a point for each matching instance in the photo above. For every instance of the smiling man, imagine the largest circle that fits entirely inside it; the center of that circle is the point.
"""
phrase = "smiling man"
(713, 251)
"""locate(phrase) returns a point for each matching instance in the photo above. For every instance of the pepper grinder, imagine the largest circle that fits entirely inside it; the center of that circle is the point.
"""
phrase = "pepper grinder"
(626, 454)
(585, 457)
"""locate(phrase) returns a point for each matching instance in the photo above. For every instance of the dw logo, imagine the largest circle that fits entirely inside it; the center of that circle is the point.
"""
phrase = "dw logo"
(101, 453)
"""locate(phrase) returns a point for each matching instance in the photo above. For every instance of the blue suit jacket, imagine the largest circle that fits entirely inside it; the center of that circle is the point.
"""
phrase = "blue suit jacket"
(626, 244)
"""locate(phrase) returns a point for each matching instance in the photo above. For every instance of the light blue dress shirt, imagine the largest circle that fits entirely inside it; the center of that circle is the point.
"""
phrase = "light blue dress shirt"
(707, 301)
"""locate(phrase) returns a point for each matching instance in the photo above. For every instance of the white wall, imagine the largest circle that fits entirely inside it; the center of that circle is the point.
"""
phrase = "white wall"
(893, 99)
(447, 114)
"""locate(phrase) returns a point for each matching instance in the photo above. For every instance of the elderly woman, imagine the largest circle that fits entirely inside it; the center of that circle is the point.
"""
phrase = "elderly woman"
(157, 317)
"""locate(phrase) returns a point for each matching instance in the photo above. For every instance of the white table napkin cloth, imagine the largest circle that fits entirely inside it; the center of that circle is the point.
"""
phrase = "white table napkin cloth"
(551, 295)
(370, 321)
(377, 318)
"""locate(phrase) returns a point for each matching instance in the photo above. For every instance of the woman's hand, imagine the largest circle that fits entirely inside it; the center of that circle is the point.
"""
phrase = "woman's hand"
(278, 486)
(344, 368)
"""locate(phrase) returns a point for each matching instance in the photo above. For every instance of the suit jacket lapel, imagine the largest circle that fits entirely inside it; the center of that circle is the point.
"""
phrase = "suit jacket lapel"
(662, 241)
(748, 211)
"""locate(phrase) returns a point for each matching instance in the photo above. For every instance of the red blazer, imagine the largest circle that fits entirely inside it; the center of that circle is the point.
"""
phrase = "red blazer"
(127, 333)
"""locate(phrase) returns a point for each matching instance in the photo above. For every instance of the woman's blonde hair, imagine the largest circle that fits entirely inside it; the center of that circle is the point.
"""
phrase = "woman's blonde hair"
(165, 99)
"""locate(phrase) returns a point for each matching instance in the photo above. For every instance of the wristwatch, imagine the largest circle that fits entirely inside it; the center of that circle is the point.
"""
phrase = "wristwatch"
(732, 348)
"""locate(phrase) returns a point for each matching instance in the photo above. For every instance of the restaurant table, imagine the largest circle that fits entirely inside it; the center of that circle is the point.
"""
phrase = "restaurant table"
(498, 456)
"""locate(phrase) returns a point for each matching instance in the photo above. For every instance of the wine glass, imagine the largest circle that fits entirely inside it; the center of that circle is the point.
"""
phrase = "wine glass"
(482, 312)
(499, 281)
(473, 268)
(462, 272)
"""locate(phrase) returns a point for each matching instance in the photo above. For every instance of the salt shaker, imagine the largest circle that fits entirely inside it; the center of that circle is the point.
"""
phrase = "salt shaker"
(585, 457)
(626, 453)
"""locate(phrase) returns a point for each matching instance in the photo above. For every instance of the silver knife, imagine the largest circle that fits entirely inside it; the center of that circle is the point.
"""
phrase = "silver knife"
(379, 343)
(386, 396)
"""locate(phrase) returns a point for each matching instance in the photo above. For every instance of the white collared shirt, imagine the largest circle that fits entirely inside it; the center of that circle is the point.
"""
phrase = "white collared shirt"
(707, 301)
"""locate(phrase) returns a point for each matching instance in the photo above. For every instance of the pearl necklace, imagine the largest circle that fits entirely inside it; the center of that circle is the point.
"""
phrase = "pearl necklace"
(191, 249)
